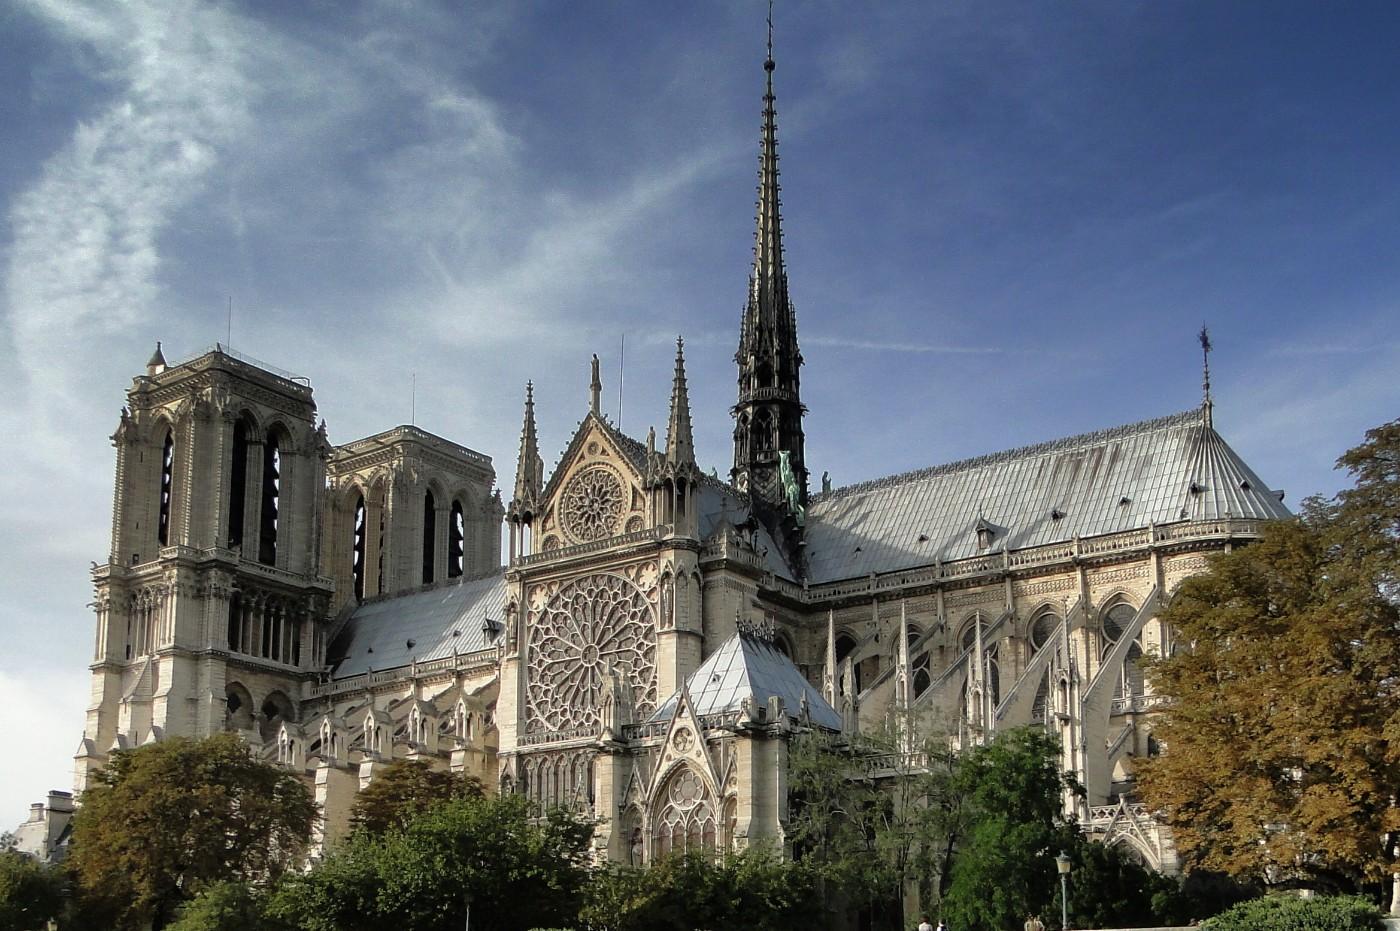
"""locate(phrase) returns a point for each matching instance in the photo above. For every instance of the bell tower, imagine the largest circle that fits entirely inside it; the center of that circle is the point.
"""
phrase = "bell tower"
(769, 461)
(210, 612)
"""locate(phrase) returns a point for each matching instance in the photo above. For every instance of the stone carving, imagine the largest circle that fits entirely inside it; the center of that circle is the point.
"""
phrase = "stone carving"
(592, 505)
(589, 625)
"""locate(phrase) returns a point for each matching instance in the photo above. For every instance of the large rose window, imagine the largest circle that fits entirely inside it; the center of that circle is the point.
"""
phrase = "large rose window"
(592, 505)
(589, 626)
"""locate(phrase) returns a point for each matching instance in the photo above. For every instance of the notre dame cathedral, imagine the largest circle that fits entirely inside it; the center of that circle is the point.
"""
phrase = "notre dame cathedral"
(657, 634)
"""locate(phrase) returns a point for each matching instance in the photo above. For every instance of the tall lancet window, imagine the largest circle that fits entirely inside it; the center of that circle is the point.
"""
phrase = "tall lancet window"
(429, 536)
(456, 542)
(238, 483)
(357, 550)
(271, 495)
(167, 484)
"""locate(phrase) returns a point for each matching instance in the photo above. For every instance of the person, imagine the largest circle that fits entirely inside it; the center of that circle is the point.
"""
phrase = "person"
(941, 925)
(924, 925)
(1034, 924)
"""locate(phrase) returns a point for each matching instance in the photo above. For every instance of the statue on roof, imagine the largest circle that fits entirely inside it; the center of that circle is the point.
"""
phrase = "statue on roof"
(792, 492)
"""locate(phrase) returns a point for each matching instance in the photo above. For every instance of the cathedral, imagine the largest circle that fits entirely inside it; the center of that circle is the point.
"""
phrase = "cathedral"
(656, 633)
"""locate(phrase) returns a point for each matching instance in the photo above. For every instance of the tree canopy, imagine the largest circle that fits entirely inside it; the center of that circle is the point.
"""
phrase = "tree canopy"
(403, 788)
(162, 821)
(517, 870)
(1282, 732)
(30, 892)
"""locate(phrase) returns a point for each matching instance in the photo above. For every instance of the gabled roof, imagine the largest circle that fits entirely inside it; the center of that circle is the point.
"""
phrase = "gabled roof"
(1158, 471)
(634, 452)
(747, 667)
(438, 621)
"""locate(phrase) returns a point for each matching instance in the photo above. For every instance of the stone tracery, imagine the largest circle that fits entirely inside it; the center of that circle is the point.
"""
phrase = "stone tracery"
(590, 625)
(592, 504)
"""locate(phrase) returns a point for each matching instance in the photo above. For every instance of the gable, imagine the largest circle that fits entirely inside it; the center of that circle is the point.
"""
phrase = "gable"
(595, 491)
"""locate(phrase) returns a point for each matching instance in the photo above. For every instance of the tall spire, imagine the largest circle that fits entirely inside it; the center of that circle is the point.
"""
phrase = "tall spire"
(768, 414)
(1207, 405)
(680, 441)
(529, 467)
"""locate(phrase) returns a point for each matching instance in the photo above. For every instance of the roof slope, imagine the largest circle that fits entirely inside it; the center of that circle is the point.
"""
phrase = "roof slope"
(387, 633)
(1158, 471)
(747, 667)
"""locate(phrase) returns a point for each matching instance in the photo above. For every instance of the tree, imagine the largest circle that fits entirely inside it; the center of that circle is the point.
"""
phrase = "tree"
(225, 906)
(163, 821)
(1004, 867)
(1287, 913)
(753, 889)
(402, 789)
(30, 892)
(1282, 734)
(520, 870)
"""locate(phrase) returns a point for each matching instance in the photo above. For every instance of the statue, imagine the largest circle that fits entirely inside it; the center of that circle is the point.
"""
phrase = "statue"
(791, 491)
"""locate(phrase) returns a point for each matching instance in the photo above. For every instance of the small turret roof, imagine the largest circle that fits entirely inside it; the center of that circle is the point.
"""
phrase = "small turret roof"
(745, 667)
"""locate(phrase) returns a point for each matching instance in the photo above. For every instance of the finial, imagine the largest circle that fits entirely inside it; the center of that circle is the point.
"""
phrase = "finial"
(768, 62)
(1207, 405)
(595, 390)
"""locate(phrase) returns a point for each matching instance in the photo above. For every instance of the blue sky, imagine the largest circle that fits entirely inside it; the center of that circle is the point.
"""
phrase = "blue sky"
(1005, 222)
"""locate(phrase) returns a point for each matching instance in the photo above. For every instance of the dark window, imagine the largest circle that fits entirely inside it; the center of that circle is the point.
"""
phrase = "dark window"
(238, 484)
(429, 536)
(381, 546)
(456, 544)
(167, 480)
(271, 493)
(357, 553)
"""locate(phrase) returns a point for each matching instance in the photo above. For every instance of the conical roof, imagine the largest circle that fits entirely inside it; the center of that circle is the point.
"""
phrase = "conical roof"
(743, 667)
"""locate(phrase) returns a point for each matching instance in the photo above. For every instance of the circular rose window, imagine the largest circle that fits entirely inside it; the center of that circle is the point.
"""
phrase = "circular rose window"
(592, 505)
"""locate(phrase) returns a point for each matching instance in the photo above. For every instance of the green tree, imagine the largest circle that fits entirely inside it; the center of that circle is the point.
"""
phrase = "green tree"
(1283, 729)
(1287, 913)
(1109, 889)
(163, 821)
(30, 892)
(1004, 867)
(225, 906)
(402, 789)
(753, 890)
(519, 870)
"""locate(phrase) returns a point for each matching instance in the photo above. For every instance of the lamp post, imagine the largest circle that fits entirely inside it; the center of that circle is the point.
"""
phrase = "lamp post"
(1062, 864)
(468, 897)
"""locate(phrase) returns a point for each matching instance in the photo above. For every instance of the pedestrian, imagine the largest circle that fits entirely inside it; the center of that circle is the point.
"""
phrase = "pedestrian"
(924, 925)
(941, 925)
(1034, 924)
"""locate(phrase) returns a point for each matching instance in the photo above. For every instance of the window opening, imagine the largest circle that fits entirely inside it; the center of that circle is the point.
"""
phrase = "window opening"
(357, 552)
(429, 536)
(271, 495)
(167, 481)
(235, 621)
(238, 483)
(456, 547)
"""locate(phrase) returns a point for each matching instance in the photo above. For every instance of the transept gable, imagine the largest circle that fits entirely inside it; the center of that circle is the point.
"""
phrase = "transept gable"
(596, 491)
(684, 746)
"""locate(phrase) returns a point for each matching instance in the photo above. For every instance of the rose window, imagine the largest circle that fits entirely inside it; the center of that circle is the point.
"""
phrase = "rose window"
(589, 626)
(592, 505)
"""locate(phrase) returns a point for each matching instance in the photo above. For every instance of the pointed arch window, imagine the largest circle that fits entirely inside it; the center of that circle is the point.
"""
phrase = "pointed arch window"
(357, 549)
(456, 542)
(235, 622)
(167, 484)
(271, 501)
(238, 483)
(688, 820)
(429, 536)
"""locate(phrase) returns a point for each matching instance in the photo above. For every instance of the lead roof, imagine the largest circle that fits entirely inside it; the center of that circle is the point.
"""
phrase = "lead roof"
(747, 667)
(1155, 472)
(387, 633)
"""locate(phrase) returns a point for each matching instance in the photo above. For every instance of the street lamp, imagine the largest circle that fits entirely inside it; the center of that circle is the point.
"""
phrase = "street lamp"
(468, 897)
(1062, 864)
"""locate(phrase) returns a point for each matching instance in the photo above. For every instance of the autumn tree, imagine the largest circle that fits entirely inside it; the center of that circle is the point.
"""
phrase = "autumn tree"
(403, 788)
(163, 821)
(1282, 734)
